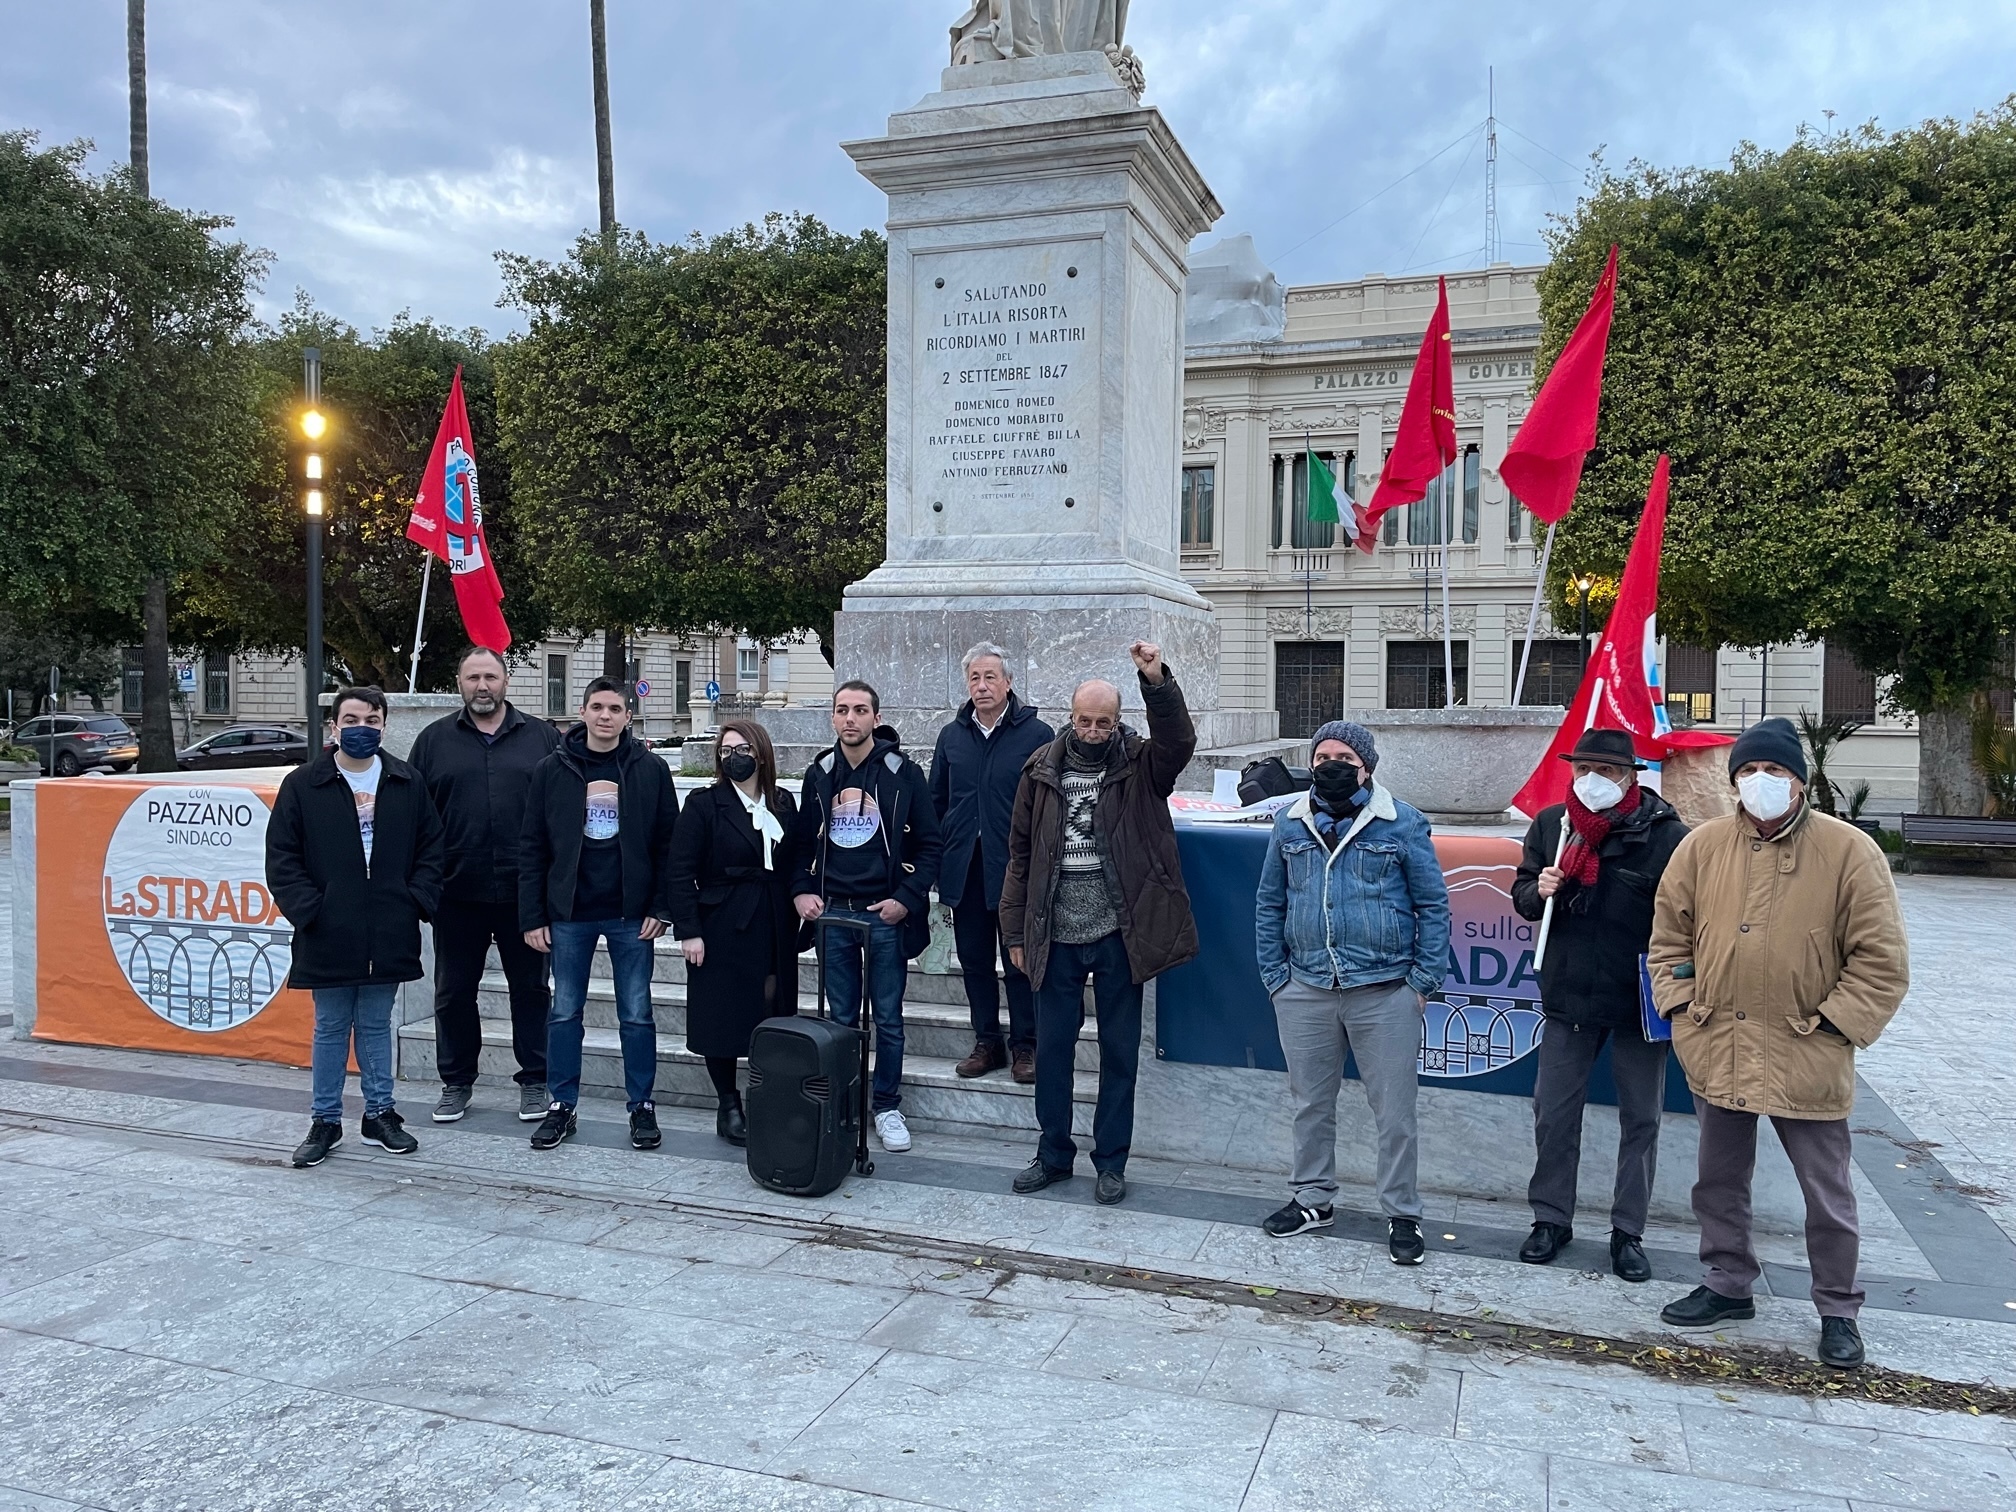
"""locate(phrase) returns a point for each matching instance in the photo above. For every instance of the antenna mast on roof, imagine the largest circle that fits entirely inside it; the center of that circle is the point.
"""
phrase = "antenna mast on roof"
(1494, 248)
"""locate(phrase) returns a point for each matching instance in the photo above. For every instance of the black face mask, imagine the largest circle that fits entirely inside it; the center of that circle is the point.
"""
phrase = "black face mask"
(738, 766)
(1090, 753)
(1338, 785)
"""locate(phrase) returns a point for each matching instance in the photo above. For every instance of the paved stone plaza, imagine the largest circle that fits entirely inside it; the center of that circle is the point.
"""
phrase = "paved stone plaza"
(184, 1322)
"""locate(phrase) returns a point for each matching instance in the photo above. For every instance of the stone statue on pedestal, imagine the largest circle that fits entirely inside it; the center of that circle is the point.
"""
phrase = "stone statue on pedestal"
(993, 30)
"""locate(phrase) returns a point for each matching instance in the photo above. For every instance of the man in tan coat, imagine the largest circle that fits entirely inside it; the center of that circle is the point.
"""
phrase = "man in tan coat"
(1777, 951)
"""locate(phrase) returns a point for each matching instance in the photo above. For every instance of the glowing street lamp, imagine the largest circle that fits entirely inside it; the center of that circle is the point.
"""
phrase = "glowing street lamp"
(314, 424)
(1582, 586)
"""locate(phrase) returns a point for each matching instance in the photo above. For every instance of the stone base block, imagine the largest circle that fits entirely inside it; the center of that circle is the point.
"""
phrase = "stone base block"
(1461, 764)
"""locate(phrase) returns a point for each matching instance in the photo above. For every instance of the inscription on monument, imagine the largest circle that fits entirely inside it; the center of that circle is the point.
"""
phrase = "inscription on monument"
(1006, 399)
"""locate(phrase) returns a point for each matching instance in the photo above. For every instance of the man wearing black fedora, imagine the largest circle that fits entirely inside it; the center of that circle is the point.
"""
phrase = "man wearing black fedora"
(1620, 837)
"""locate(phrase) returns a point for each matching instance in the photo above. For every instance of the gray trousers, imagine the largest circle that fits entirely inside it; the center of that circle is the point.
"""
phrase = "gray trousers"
(1562, 1087)
(1820, 1152)
(1319, 1027)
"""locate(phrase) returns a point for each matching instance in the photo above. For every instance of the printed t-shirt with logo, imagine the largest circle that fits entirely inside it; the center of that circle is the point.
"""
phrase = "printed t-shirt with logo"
(598, 884)
(857, 851)
(364, 790)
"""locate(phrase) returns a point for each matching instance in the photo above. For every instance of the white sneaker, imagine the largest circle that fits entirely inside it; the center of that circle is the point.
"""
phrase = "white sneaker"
(892, 1131)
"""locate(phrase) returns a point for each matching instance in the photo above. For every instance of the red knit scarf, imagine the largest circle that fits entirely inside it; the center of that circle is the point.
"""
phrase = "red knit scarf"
(1579, 860)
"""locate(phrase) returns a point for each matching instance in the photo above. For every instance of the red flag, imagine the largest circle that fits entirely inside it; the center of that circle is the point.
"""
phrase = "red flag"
(1620, 688)
(1543, 464)
(1426, 440)
(447, 519)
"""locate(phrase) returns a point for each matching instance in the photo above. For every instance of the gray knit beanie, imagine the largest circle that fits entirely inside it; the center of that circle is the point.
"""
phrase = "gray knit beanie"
(1355, 736)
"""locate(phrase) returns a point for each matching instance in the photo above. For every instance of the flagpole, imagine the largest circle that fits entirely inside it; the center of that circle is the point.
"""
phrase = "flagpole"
(1533, 615)
(1448, 644)
(419, 625)
(1547, 913)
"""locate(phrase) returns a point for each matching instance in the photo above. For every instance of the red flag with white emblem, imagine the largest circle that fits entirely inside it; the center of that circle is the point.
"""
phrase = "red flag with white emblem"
(447, 519)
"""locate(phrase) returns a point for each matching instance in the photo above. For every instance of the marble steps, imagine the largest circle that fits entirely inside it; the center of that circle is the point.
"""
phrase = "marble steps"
(941, 1031)
(935, 1098)
(669, 965)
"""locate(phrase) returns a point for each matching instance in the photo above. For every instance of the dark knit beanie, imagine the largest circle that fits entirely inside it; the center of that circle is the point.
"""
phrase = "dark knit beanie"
(1355, 736)
(1769, 740)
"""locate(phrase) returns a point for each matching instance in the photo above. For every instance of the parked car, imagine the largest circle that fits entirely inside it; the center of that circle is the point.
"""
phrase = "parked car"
(67, 744)
(245, 746)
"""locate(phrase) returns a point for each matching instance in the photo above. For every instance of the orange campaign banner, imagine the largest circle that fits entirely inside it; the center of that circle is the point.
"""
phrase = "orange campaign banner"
(154, 926)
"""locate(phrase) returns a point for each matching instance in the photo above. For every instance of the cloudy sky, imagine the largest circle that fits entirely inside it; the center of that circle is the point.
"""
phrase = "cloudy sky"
(383, 150)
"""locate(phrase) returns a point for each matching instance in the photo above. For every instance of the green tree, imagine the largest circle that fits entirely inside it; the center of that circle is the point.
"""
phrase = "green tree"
(29, 648)
(383, 395)
(1824, 339)
(127, 430)
(696, 431)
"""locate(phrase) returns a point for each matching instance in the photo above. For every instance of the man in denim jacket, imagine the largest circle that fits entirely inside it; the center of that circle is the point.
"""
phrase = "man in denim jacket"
(1352, 934)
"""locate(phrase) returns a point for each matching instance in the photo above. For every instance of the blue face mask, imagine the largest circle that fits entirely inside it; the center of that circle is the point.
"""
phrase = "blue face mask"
(359, 742)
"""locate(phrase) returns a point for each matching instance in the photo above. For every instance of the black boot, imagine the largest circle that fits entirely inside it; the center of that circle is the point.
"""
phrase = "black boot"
(729, 1122)
(1627, 1256)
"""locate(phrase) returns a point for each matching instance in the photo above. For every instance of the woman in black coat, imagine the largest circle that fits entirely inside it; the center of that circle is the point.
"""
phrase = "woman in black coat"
(731, 907)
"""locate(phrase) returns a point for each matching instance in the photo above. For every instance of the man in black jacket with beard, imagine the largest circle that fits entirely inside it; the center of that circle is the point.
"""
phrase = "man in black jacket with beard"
(1603, 886)
(975, 772)
(598, 840)
(478, 766)
(868, 848)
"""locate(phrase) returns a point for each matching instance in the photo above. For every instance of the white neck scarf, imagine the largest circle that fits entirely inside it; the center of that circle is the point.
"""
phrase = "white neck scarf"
(764, 822)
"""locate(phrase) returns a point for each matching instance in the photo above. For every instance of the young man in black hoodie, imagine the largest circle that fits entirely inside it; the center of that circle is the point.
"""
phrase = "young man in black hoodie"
(353, 859)
(1621, 835)
(598, 832)
(478, 766)
(868, 848)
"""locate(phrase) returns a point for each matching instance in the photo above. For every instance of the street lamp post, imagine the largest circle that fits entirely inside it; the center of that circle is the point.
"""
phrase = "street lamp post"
(1582, 587)
(312, 427)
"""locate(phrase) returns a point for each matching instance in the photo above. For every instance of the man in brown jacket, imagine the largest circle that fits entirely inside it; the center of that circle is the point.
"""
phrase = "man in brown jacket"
(1095, 888)
(1777, 950)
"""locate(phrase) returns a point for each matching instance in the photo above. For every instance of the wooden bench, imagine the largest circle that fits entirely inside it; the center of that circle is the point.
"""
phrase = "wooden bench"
(1956, 832)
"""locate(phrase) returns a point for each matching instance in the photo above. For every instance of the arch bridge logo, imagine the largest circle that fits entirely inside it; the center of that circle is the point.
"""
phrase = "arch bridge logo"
(191, 923)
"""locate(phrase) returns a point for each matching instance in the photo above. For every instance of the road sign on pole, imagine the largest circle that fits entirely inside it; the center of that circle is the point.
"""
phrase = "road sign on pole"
(713, 691)
(643, 688)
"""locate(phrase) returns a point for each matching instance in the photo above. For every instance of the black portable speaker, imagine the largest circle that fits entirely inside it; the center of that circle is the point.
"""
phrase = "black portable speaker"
(807, 1105)
(1271, 777)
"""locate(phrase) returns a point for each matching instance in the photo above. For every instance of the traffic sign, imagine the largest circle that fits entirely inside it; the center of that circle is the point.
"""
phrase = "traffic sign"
(643, 688)
(713, 691)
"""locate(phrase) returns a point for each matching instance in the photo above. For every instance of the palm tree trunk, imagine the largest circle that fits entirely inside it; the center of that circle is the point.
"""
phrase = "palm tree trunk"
(157, 731)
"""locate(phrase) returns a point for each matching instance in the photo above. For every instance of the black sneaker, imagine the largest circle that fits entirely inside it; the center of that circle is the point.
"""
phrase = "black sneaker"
(1035, 1176)
(644, 1133)
(558, 1124)
(1297, 1219)
(1841, 1343)
(387, 1130)
(322, 1138)
(1702, 1308)
(1403, 1241)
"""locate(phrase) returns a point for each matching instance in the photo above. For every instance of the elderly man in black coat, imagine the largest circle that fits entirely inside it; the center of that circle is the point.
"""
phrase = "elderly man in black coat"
(1621, 835)
(974, 773)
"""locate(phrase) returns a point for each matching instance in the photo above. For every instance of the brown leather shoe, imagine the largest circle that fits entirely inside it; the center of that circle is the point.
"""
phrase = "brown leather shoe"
(987, 1056)
(1025, 1068)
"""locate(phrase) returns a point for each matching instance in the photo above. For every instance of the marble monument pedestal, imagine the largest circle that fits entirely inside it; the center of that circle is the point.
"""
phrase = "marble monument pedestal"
(1039, 225)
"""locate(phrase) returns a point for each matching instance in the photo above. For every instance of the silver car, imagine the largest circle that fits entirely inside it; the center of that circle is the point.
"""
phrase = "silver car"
(67, 744)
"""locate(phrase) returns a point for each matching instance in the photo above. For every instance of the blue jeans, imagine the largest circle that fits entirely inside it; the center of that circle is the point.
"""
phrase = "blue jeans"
(630, 964)
(1060, 1014)
(887, 973)
(345, 1016)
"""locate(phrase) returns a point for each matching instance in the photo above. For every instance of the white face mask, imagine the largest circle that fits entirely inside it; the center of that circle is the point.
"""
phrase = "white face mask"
(1598, 792)
(1765, 794)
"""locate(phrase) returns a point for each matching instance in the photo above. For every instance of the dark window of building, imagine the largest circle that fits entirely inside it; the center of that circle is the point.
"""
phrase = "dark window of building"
(1846, 691)
(1690, 684)
(1473, 471)
(1428, 516)
(1291, 501)
(1414, 677)
(682, 686)
(1389, 527)
(129, 680)
(1280, 501)
(556, 686)
(1308, 685)
(1554, 673)
(1515, 517)
(216, 685)
(1200, 484)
